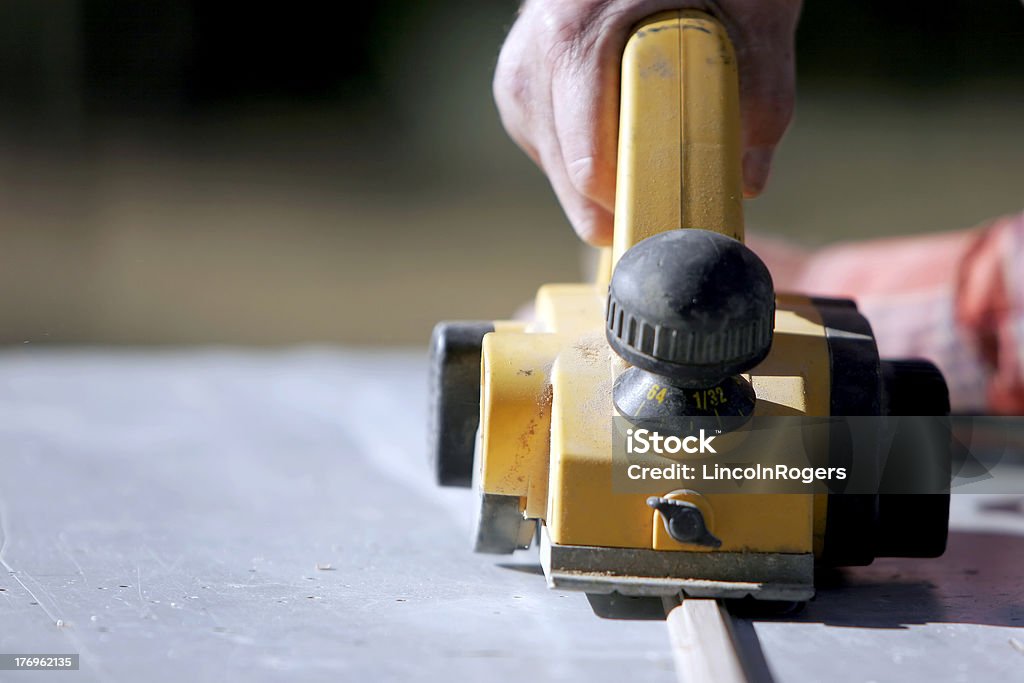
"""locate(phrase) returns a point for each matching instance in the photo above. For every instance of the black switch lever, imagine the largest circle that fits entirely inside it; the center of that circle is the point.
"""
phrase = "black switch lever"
(684, 521)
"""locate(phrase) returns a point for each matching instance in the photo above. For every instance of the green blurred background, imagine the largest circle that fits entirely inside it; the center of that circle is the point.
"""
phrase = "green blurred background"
(206, 172)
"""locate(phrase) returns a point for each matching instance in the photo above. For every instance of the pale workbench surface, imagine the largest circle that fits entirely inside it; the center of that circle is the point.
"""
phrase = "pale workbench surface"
(164, 515)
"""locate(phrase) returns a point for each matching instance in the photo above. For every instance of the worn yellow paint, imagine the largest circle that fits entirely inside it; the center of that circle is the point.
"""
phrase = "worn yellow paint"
(568, 308)
(546, 411)
(546, 429)
(584, 510)
(679, 131)
(515, 420)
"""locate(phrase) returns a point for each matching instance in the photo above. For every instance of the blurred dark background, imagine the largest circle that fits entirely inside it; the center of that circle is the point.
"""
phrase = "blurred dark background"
(204, 172)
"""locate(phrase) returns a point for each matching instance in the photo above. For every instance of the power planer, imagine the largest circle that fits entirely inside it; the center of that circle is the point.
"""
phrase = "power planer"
(683, 321)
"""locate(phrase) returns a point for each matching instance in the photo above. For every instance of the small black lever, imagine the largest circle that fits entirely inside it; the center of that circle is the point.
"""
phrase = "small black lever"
(684, 521)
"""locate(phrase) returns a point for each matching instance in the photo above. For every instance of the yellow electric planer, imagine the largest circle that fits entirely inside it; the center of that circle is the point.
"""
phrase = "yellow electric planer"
(682, 322)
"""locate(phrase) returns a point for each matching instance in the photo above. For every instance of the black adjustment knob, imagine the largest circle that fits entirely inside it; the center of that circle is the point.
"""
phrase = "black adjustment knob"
(692, 305)
(690, 310)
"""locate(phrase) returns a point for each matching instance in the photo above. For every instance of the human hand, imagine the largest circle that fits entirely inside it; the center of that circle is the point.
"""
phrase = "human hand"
(556, 87)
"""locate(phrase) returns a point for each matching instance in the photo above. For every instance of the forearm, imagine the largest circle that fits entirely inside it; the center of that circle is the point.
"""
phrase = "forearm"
(956, 299)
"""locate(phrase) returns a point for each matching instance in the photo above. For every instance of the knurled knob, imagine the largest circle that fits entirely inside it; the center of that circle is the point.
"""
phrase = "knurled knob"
(692, 305)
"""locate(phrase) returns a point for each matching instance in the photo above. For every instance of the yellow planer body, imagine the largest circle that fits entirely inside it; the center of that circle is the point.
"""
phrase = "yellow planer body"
(523, 411)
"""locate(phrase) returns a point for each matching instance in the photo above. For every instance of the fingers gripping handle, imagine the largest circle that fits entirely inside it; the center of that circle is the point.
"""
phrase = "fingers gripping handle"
(679, 161)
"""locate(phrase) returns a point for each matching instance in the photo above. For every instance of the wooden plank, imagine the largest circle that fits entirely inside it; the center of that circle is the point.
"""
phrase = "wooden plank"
(703, 643)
